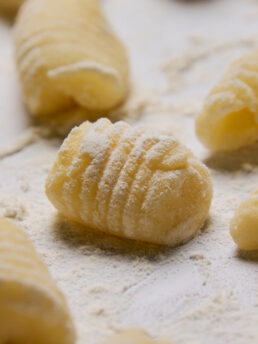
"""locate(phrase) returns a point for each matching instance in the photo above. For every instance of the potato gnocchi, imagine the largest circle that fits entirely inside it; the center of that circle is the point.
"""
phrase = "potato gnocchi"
(32, 310)
(69, 59)
(244, 225)
(10, 5)
(229, 118)
(134, 337)
(130, 182)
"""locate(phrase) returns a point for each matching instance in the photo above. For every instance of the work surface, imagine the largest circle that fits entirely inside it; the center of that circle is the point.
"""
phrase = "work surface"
(203, 292)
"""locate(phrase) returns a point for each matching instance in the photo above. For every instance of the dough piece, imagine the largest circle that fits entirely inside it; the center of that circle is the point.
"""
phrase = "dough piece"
(229, 118)
(10, 6)
(32, 309)
(133, 337)
(130, 182)
(244, 225)
(69, 59)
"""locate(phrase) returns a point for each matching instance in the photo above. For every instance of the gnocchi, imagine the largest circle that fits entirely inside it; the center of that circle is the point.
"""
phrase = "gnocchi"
(133, 337)
(32, 309)
(10, 5)
(244, 225)
(229, 118)
(69, 59)
(130, 182)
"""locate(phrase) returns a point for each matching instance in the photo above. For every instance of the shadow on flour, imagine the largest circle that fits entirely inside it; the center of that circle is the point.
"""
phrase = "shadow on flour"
(251, 256)
(6, 18)
(233, 161)
(191, 2)
(90, 241)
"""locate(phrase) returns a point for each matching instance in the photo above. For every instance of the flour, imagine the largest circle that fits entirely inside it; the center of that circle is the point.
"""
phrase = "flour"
(141, 100)
(12, 207)
(223, 310)
(176, 67)
(25, 139)
(85, 66)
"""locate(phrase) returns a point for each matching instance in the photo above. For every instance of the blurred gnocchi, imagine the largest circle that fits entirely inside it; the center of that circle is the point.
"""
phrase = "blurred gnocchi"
(244, 225)
(130, 182)
(32, 309)
(133, 337)
(10, 5)
(229, 118)
(69, 59)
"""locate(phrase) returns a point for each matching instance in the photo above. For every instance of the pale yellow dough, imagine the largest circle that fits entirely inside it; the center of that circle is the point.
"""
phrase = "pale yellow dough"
(10, 6)
(130, 182)
(69, 59)
(229, 119)
(32, 309)
(244, 225)
(134, 337)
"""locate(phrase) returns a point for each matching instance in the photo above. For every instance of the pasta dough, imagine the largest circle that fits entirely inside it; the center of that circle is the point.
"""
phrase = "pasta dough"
(32, 310)
(130, 182)
(244, 226)
(229, 118)
(10, 5)
(133, 337)
(69, 59)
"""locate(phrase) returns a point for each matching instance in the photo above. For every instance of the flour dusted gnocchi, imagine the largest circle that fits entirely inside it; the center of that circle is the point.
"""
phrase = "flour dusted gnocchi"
(68, 58)
(229, 118)
(32, 310)
(10, 5)
(244, 225)
(130, 182)
(133, 337)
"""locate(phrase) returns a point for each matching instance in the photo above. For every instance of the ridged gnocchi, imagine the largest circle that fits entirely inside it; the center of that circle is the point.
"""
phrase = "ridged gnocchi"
(32, 309)
(244, 225)
(10, 5)
(130, 182)
(133, 337)
(229, 118)
(68, 58)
